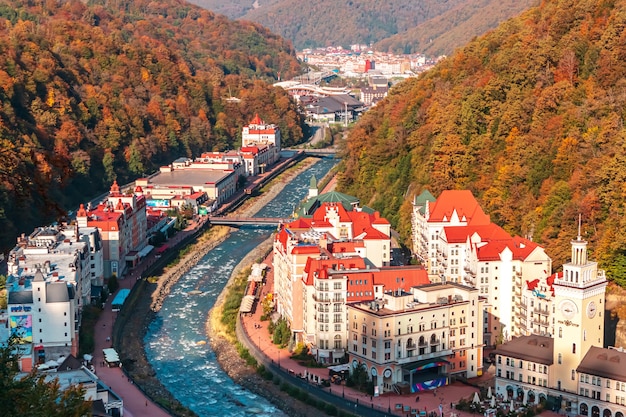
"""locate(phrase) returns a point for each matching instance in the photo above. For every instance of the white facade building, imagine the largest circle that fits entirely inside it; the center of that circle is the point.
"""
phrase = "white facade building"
(576, 373)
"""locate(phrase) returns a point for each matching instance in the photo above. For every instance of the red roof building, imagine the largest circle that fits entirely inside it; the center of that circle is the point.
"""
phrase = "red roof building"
(122, 221)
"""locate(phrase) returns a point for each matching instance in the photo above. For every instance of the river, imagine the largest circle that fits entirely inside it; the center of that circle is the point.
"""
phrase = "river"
(188, 370)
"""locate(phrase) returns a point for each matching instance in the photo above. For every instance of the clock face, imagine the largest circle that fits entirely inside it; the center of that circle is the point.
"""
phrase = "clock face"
(568, 309)
(591, 310)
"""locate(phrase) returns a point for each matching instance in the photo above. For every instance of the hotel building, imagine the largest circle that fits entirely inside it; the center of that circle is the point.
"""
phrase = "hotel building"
(414, 340)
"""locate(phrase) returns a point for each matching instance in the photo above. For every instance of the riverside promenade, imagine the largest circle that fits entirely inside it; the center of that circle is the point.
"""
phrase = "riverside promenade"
(136, 403)
(258, 340)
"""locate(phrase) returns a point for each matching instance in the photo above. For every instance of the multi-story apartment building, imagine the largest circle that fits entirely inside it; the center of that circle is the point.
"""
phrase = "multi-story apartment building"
(458, 243)
(332, 226)
(50, 273)
(417, 338)
(430, 216)
(330, 283)
(260, 145)
(122, 222)
(578, 374)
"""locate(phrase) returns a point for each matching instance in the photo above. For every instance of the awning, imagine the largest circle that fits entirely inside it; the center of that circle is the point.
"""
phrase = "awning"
(110, 355)
(145, 251)
(425, 364)
(246, 304)
(132, 256)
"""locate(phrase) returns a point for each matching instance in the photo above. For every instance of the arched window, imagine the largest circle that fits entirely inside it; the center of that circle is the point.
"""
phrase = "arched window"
(606, 413)
(584, 409)
(560, 332)
(409, 343)
(433, 338)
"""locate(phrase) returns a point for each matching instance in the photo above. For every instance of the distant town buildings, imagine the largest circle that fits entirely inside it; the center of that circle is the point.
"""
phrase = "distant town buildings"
(358, 61)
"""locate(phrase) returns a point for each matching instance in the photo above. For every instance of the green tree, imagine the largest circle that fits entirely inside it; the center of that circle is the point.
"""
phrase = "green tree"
(358, 378)
(282, 333)
(32, 395)
(112, 284)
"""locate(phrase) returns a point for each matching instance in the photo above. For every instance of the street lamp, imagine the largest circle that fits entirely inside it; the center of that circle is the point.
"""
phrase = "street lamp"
(278, 358)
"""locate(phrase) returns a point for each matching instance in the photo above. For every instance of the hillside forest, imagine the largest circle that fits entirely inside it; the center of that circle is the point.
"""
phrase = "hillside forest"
(529, 117)
(431, 27)
(101, 90)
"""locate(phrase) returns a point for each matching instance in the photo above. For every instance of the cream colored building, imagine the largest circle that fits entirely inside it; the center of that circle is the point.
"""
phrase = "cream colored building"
(457, 242)
(415, 340)
(585, 377)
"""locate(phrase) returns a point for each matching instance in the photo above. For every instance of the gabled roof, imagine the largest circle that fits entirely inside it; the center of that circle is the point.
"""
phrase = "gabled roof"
(257, 120)
(487, 232)
(461, 201)
(605, 363)
(322, 266)
(421, 200)
(521, 248)
(321, 212)
(369, 233)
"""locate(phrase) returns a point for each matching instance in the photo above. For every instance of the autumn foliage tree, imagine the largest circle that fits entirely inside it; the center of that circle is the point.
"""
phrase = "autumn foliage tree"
(528, 117)
(96, 91)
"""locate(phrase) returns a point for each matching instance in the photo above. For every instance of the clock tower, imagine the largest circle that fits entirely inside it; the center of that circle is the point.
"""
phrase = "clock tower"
(578, 315)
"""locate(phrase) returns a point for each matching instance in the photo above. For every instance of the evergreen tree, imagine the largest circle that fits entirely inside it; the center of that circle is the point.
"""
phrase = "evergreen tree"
(31, 395)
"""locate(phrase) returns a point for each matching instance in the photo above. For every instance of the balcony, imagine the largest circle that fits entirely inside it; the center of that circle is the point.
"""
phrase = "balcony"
(411, 346)
(406, 359)
(434, 342)
(539, 321)
(321, 298)
(542, 311)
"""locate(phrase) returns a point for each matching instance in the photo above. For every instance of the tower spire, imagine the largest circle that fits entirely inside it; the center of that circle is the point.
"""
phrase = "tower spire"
(579, 226)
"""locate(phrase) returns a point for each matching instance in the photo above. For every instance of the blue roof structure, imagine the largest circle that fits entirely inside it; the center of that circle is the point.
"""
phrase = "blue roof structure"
(119, 299)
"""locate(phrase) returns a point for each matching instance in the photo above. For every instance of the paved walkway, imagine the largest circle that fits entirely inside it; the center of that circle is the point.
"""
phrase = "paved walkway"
(136, 403)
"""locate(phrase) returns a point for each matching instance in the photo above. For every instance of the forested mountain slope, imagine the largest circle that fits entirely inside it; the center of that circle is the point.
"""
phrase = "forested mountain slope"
(453, 28)
(92, 91)
(530, 117)
(431, 26)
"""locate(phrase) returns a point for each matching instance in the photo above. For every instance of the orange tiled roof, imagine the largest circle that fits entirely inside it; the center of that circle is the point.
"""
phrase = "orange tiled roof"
(461, 201)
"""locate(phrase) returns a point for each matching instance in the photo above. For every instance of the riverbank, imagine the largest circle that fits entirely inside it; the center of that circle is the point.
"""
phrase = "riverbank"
(152, 291)
(224, 345)
(150, 295)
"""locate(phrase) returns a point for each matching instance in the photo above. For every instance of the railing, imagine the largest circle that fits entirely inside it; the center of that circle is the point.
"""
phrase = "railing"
(321, 299)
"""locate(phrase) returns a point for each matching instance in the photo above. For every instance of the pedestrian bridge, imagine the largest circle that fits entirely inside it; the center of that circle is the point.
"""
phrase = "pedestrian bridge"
(243, 221)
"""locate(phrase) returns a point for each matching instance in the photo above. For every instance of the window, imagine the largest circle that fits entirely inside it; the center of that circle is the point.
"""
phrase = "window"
(560, 361)
(573, 347)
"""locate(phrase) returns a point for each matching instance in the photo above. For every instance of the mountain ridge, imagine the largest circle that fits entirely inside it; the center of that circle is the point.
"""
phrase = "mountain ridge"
(399, 26)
